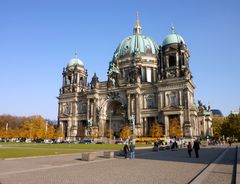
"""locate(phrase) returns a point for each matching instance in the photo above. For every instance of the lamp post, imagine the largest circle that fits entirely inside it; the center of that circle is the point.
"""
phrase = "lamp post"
(89, 127)
(46, 128)
(132, 121)
(110, 125)
(6, 131)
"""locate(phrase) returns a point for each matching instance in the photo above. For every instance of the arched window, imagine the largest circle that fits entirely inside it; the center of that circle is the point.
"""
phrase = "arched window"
(172, 61)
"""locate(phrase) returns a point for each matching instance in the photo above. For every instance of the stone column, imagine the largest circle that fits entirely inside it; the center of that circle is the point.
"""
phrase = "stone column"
(182, 122)
(167, 62)
(88, 109)
(180, 97)
(94, 112)
(166, 121)
(65, 80)
(129, 104)
(160, 101)
(137, 104)
(145, 126)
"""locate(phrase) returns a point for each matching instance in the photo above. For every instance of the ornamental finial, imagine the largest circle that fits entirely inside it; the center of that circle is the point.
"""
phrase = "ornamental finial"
(173, 29)
(137, 29)
(76, 54)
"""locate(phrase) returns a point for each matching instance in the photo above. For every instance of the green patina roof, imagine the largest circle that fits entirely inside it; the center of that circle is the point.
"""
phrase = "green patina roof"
(74, 61)
(172, 38)
(137, 43)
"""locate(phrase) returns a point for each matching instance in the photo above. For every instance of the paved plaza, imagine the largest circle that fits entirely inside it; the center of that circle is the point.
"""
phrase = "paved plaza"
(148, 167)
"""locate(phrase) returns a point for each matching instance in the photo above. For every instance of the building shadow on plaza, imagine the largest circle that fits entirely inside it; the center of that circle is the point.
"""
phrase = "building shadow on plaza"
(206, 155)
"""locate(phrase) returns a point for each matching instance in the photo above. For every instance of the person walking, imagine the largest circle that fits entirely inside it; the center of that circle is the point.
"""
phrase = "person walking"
(230, 142)
(132, 151)
(126, 150)
(189, 149)
(196, 147)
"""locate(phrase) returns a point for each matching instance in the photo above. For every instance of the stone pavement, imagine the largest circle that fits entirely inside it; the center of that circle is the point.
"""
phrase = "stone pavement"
(148, 167)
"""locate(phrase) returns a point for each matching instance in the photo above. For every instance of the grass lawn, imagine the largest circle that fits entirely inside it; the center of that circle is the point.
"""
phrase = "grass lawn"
(71, 146)
(14, 150)
(22, 152)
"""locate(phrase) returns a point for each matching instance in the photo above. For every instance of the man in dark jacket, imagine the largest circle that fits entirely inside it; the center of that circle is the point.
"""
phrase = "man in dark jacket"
(126, 150)
(196, 147)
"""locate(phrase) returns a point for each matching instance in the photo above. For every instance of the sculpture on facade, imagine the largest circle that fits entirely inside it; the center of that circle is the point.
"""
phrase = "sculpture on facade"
(94, 81)
(113, 72)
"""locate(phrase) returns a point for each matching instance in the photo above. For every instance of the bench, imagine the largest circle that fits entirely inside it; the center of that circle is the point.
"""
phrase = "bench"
(108, 154)
(88, 156)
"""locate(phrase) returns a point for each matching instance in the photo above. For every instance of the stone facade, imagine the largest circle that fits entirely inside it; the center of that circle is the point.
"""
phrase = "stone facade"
(146, 83)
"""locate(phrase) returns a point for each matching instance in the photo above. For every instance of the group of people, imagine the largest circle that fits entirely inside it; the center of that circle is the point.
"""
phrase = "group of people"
(196, 147)
(127, 149)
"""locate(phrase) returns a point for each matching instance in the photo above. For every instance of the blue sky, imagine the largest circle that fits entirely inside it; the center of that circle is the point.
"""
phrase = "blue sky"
(38, 38)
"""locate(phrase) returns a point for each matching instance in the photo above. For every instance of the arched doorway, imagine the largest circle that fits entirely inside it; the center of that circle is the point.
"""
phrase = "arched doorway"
(115, 117)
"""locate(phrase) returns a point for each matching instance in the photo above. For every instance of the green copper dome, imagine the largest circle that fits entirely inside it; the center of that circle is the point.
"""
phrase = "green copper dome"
(74, 61)
(136, 44)
(172, 38)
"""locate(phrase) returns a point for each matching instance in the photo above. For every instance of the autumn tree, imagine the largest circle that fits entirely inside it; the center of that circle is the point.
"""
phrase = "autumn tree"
(217, 123)
(34, 127)
(125, 132)
(82, 131)
(156, 130)
(109, 133)
(13, 122)
(175, 128)
(59, 133)
(231, 126)
(50, 134)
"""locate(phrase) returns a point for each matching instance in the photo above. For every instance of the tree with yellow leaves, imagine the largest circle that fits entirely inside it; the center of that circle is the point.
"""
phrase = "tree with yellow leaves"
(217, 122)
(156, 130)
(59, 133)
(35, 127)
(50, 132)
(125, 132)
(175, 128)
(109, 133)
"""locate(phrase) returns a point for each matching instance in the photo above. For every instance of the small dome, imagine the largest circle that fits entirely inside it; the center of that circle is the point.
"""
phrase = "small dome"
(172, 38)
(74, 61)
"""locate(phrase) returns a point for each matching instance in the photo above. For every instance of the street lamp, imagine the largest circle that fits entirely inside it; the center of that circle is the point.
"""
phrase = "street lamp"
(132, 121)
(89, 127)
(6, 131)
(110, 124)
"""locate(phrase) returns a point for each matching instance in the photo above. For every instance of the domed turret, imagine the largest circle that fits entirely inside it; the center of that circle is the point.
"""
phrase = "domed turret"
(172, 38)
(174, 57)
(74, 76)
(74, 62)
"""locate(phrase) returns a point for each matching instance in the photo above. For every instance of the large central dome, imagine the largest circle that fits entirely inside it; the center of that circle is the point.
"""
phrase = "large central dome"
(136, 44)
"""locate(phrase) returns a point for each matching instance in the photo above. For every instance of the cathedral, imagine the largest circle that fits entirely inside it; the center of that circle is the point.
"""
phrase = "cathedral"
(146, 83)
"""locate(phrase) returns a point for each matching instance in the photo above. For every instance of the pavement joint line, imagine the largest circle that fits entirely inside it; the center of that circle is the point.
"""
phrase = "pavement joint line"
(62, 166)
(53, 167)
(205, 172)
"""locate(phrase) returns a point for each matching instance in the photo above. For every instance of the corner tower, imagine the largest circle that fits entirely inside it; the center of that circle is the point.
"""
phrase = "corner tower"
(176, 88)
(72, 103)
